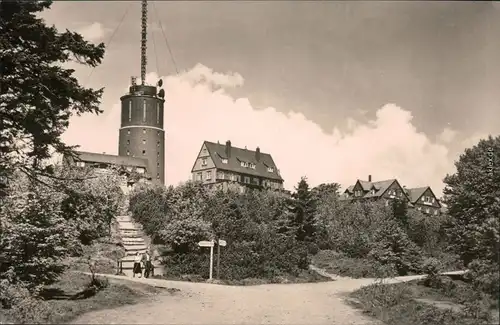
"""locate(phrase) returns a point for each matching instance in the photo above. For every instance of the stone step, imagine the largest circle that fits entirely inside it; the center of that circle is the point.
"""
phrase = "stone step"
(133, 240)
(134, 246)
(128, 225)
(124, 218)
(130, 233)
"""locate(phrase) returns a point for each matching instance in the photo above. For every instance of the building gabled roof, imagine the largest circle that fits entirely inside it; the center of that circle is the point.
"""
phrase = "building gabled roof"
(349, 189)
(93, 157)
(365, 185)
(217, 152)
(380, 187)
(415, 193)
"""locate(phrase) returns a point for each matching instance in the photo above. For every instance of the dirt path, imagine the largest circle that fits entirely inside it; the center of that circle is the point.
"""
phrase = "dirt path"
(202, 303)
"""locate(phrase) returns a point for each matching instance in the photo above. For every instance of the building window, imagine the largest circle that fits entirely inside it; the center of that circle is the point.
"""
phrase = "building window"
(128, 132)
(270, 169)
(158, 133)
(427, 210)
(128, 142)
(157, 164)
(224, 160)
(130, 110)
(198, 176)
(246, 180)
(158, 154)
(158, 143)
(220, 175)
(144, 110)
(80, 164)
(208, 175)
(157, 175)
(144, 152)
(256, 181)
(157, 113)
(143, 141)
(140, 170)
(143, 131)
(128, 153)
(204, 162)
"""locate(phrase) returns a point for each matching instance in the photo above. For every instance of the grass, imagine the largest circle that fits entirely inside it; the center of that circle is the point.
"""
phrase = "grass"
(306, 276)
(336, 263)
(70, 297)
(396, 304)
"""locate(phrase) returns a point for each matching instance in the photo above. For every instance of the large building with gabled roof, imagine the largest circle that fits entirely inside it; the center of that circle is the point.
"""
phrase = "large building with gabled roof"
(420, 198)
(223, 164)
(135, 169)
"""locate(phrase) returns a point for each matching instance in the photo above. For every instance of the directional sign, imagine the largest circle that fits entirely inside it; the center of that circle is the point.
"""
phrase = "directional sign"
(206, 243)
(222, 242)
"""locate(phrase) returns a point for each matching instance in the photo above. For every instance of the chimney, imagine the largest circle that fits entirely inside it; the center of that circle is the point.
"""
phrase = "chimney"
(369, 178)
(257, 154)
(228, 149)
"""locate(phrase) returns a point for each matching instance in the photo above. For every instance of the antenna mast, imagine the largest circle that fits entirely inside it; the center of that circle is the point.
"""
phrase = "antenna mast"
(144, 34)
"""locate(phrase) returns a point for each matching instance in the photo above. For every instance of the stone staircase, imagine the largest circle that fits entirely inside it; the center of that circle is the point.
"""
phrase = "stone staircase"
(133, 239)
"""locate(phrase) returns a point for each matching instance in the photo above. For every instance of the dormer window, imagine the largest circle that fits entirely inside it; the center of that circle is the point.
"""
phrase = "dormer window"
(252, 166)
(270, 169)
(224, 160)
(244, 164)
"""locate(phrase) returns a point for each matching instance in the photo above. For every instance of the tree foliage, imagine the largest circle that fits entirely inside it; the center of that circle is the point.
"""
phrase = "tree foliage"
(302, 207)
(473, 198)
(38, 94)
(254, 224)
(44, 224)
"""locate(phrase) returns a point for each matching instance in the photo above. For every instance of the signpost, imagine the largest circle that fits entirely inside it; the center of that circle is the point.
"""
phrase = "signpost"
(220, 243)
(206, 243)
(211, 243)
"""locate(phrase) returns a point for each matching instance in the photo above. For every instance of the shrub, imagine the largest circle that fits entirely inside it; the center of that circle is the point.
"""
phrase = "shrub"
(484, 276)
(22, 306)
(431, 267)
(392, 246)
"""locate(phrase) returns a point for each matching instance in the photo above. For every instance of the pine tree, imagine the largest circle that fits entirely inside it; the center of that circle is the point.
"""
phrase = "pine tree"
(303, 207)
(38, 94)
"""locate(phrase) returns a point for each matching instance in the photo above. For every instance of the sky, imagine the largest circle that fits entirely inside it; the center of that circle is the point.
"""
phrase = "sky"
(334, 91)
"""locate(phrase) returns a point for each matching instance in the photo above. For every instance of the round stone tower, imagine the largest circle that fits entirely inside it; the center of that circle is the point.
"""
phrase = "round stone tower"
(141, 132)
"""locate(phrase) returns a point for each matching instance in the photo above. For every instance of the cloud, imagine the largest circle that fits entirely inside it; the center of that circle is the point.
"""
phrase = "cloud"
(198, 108)
(94, 32)
(447, 135)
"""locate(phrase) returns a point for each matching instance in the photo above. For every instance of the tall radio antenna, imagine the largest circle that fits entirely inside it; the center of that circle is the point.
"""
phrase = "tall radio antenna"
(144, 35)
